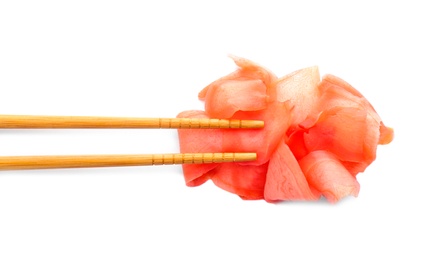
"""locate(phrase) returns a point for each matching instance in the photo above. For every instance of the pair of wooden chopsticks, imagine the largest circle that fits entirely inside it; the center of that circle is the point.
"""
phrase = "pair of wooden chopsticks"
(81, 161)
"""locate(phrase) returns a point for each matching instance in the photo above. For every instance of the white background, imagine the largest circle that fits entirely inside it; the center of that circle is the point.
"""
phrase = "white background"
(133, 58)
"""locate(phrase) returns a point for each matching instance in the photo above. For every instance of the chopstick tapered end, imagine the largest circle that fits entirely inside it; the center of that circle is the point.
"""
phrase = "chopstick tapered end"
(245, 157)
(255, 124)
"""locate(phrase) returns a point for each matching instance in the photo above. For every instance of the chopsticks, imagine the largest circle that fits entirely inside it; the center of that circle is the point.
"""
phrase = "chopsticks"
(88, 161)
(24, 121)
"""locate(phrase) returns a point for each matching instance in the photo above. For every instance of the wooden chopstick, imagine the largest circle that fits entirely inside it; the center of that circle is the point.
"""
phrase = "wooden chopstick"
(88, 161)
(25, 121)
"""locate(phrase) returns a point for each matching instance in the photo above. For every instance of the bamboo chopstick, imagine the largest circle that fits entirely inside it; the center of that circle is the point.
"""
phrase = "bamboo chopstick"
(25, 121)
(88, 161)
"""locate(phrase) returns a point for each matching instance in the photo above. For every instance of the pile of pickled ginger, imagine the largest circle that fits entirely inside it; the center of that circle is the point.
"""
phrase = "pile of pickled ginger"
(319, 134)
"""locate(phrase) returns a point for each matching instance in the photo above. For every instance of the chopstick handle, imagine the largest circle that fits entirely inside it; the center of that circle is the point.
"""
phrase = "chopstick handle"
(24, 121)
(88, 161)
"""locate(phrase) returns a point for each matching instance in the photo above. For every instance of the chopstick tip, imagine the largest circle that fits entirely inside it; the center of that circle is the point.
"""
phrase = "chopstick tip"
(245, 157)
(252, 124)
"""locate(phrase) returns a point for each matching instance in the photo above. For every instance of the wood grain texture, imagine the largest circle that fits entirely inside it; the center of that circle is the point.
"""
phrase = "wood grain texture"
(42, 122)
(89, 161)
